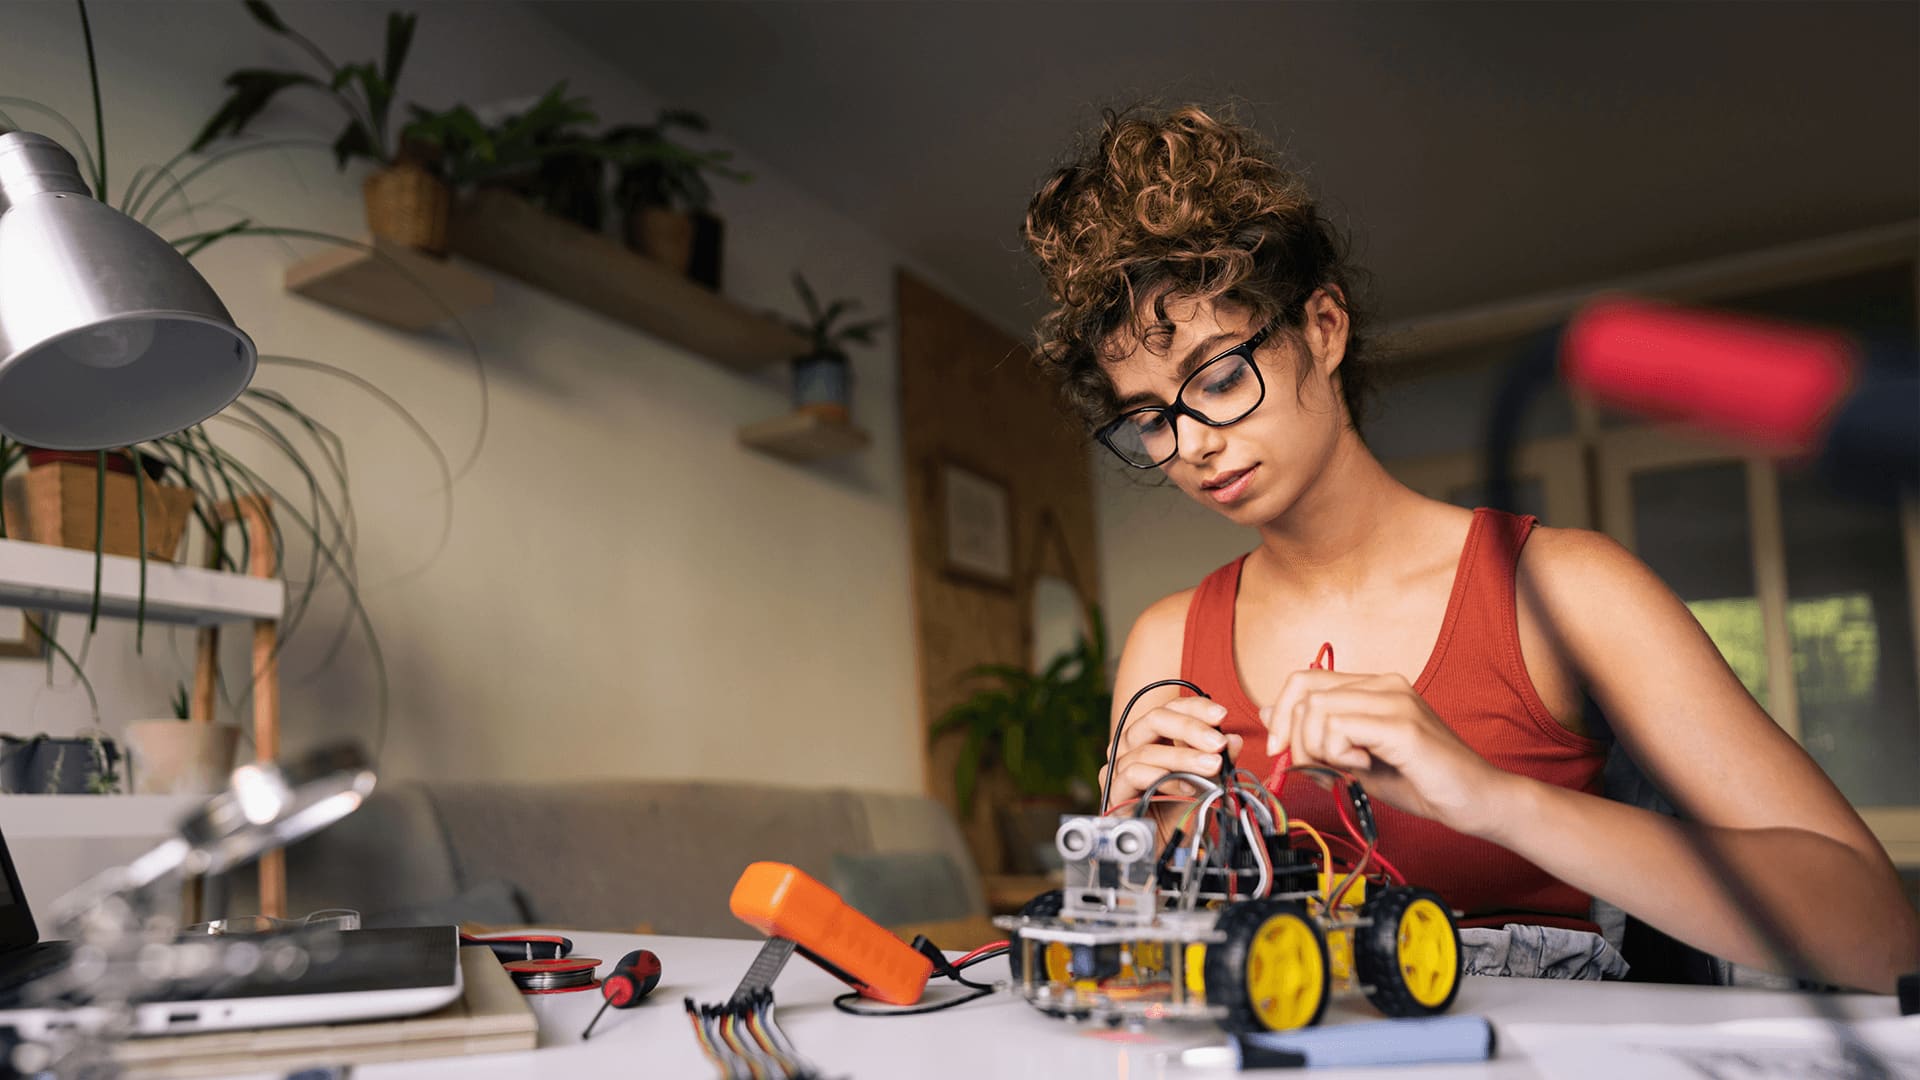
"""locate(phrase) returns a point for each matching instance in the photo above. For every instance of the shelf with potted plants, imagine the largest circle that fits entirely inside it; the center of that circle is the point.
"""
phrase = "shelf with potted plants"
(400, 276)
(99, 533)
(51, 566)
(547, 227)
(820, 425)
(524, 195)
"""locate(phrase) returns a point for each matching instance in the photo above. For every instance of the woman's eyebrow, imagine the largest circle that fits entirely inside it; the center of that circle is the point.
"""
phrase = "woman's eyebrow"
(1202, 351)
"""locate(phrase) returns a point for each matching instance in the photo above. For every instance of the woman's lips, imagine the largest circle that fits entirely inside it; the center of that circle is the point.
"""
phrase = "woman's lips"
(1234, 488)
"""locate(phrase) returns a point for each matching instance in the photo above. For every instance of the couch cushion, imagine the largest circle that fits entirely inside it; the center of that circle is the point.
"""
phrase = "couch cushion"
(386, 856)
(902, 887)
(616, 855)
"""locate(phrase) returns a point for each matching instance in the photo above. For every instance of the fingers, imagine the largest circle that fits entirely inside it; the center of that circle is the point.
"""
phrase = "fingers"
(1194, 721)
(1280, 716)
(1348, 728)
(1136, 771)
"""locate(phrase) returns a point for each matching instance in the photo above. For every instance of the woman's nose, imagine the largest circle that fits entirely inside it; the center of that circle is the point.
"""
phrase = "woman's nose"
(1195, 441)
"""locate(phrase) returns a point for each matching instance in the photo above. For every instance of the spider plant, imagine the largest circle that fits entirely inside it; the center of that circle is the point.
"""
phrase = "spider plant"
(316, 509)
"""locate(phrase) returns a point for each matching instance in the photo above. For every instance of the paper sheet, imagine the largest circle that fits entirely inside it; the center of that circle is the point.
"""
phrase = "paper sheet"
(1783, 1049)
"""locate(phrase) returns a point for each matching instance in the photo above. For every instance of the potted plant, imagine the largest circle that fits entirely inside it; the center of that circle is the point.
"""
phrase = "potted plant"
(93, 500)
(406, 202)
(180, 756)
(47, 765)
(823, 377)
(661, 190)
(1047, 731)
(543, 153)
(291, 485)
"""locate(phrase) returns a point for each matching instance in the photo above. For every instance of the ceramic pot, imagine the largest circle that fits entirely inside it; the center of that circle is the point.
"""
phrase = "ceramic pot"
(44, 765)
(823, 386)
(180, 757)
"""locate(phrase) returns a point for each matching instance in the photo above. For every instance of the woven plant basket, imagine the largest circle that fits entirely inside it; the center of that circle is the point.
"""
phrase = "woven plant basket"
(408, 205)
(53, 504)
(665, 236)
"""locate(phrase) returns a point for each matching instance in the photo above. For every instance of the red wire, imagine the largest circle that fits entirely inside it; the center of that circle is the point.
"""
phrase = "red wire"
(1277, 778)
(987, 948)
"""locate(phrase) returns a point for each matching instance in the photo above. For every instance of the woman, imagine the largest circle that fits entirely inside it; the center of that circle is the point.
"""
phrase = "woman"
(1202, 324)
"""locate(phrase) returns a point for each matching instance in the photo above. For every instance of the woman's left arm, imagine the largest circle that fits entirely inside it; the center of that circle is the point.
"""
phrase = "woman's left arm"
(1741, 784)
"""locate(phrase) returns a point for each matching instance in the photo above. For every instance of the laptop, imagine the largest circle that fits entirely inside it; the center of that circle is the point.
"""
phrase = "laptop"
(347, 975)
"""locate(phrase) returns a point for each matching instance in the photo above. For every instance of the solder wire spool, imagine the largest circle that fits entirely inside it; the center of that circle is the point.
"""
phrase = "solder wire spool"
(553, 975)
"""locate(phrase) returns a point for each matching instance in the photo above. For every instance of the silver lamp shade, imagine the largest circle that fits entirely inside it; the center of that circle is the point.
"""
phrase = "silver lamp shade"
(108, 336)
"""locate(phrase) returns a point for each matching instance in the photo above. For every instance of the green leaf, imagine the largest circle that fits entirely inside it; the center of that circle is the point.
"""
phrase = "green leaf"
(99, 535)
(807, 296)
(251, 90)
(1013, 750)
(352, 143)
(266, 16)
(399, 39)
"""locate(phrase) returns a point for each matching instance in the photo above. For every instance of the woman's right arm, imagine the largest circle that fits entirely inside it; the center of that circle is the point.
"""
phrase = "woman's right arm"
(1165, 732)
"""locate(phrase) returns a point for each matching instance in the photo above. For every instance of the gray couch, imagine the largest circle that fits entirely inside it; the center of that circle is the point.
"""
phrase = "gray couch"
(657, 856)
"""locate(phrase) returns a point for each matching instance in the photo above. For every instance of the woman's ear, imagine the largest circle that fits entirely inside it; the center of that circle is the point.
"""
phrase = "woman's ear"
(1325, 324)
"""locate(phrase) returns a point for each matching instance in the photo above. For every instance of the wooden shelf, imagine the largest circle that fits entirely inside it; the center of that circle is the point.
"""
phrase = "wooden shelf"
(498, 230)
(47, 578)
(803, 437)
(391, 284)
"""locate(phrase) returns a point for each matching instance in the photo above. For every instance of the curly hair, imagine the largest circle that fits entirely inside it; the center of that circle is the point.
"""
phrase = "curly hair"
(1180, 205)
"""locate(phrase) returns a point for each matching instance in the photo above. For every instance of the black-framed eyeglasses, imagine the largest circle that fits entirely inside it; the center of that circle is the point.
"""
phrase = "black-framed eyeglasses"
(1221, 391)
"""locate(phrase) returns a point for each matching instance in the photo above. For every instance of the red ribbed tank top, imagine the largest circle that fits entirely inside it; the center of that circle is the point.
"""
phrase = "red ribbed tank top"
(1476, 681)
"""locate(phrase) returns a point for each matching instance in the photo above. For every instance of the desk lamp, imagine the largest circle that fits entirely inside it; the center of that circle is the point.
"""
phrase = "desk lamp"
(108, 336)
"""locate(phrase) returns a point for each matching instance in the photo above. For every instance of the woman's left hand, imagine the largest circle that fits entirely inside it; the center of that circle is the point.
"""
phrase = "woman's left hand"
(1378, 728)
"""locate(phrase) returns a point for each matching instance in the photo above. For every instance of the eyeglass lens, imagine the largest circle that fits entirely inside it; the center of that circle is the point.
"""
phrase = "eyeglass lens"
(1222, 392)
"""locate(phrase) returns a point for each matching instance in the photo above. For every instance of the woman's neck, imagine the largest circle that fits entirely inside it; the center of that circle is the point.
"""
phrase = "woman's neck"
(1334, 536)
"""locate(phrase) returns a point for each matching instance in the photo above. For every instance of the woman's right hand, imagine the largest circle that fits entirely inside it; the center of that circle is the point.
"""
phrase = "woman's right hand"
(1182, 735)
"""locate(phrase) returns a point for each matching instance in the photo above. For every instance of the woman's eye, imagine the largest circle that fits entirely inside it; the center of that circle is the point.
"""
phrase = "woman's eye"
(1227, 381)
(1149, 423)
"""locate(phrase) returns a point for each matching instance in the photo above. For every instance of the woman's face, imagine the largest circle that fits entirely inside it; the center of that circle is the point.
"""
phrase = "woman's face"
(1251, 471)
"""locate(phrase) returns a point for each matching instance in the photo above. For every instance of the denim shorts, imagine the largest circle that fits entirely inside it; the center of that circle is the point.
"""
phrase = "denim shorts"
(1525, 951)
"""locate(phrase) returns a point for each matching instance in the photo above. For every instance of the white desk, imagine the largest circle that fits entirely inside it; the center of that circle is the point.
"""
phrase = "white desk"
(1002, 1036)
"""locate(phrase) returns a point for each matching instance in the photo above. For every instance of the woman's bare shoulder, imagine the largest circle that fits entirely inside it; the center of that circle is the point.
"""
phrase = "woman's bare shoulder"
(1161, 630)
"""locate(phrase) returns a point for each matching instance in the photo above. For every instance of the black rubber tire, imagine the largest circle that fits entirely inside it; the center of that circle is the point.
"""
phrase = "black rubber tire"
(1045, 906)
(1225, 969)
(1376, 952)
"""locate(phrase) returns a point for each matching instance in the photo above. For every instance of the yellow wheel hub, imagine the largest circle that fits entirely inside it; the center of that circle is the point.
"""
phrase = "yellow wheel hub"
(1197, 970)
(1286, 974)
(1429, 956)
(1054, 956)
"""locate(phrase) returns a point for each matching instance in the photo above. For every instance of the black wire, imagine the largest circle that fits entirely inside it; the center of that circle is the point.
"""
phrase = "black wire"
(943, 967)
(1106, 789)
(1534, 372)
(843, 1004)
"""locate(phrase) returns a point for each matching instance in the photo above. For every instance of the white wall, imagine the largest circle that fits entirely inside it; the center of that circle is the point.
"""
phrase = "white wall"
(625, 591)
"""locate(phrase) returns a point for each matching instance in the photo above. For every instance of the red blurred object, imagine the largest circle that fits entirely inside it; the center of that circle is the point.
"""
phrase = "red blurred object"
(1774, 386)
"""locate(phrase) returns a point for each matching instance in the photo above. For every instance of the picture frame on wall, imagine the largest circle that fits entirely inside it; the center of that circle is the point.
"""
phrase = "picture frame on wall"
(976, 526)
(19, 638)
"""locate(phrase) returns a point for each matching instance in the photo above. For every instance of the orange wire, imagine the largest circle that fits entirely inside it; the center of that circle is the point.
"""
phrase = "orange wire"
(1326, 854)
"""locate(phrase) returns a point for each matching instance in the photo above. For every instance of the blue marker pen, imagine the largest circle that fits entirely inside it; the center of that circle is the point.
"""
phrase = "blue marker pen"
(1426, 1041)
